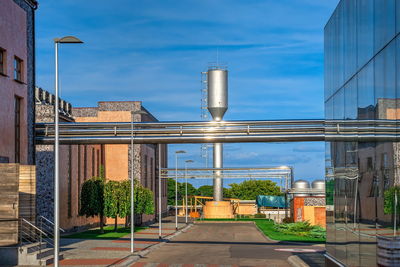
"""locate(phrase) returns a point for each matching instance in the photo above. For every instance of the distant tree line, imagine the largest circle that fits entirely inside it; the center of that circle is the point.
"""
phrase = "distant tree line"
(246, 190)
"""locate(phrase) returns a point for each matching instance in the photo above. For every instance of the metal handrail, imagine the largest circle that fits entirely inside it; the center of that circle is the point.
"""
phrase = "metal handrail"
(50, 222)
(33, 226)
(30, 233)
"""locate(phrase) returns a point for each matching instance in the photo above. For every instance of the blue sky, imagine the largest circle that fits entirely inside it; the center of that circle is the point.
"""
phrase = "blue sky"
(154, 51)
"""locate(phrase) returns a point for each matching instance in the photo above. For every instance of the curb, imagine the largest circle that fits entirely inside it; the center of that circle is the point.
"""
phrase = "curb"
(264, 235)
(200, 222)
(295, 261)
(138, 255)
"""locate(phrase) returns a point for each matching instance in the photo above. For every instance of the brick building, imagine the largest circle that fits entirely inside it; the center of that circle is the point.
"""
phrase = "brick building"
(81, 162)
(17, 80)
(77, 163)
(116, 157)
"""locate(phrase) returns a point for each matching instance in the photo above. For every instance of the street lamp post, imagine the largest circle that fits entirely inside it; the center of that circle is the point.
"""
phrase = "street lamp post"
(186, 190)
(57, 41)
(132, 178)
(176, 186)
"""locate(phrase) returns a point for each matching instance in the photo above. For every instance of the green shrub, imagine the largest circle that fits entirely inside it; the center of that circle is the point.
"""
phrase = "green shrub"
(318, 232)
(260, 215)
(301, 229)
(389, 200)
(288, 220)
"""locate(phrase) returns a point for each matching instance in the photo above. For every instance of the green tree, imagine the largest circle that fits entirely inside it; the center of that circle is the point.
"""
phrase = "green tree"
(171, 191)
(205, 191)
(192, 191)
(227, 193)
(112, 201)
(125, 200)
(143, 200)
(92, 199)
(249, 190)
(389, 200)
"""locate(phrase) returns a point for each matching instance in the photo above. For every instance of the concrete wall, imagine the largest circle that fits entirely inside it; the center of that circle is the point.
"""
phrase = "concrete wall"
(16, 31)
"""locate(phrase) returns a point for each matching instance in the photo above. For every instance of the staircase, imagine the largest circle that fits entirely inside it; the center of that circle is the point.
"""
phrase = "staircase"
(37, 254)
(36, 243)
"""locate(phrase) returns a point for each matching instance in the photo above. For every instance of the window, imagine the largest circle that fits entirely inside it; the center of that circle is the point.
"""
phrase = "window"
(152, 180)
(93, 162)
(3, 61)
(17, 128)
(370, 166)
(145, 172)
(18, 69)
(85, 171)
(98, 162)
(79, 178)
(69, 182)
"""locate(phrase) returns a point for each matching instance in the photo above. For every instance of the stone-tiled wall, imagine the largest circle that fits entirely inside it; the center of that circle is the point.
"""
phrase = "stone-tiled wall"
(72, 176)
(314, 201)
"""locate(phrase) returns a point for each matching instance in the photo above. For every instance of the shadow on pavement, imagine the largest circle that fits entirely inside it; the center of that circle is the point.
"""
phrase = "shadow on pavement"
(314, 259)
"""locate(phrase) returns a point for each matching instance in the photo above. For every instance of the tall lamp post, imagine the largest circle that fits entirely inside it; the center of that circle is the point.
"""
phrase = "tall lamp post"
(57, 41)
(186, 190)
(132, 178)
(176, 186)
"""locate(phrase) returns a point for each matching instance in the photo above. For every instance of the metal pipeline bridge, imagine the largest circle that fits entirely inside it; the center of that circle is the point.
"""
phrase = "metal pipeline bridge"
(219, 132)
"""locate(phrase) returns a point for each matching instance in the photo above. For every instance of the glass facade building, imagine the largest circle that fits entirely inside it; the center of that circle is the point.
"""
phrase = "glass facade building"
(362, 81)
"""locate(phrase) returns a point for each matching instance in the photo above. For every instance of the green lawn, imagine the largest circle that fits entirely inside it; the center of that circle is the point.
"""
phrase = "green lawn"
(108, 233)
(267, 227)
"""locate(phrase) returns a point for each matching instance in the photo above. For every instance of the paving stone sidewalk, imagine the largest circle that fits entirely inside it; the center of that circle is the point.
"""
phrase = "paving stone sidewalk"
(110, 252)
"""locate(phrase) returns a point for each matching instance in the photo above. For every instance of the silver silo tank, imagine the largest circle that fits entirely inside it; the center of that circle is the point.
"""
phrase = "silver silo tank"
(217, 104)
(299, 185)
(217, 96)
(318, 185)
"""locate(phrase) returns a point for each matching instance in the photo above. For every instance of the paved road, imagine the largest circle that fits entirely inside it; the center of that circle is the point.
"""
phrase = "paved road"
(227, 244)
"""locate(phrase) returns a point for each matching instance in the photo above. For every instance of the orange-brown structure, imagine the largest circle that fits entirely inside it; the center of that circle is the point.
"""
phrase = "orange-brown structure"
(311, 209)
(218, 210)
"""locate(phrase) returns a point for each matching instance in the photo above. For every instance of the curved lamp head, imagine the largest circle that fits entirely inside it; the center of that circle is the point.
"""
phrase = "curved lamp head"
(180, 151)
(284, 167)
(189, 161)
(68, 40)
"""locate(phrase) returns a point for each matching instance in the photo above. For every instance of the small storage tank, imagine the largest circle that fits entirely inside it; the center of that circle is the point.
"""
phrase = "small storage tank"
(299, 185)
(217, 96)
(318, 185)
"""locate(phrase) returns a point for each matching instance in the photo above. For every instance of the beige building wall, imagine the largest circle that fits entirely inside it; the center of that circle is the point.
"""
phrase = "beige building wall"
(117, 157)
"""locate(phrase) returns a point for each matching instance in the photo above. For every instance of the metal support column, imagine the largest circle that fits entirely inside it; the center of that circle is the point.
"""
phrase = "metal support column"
(159, 193)
(56, 168)
(218, 163)
(132, 194)
(176, 192)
